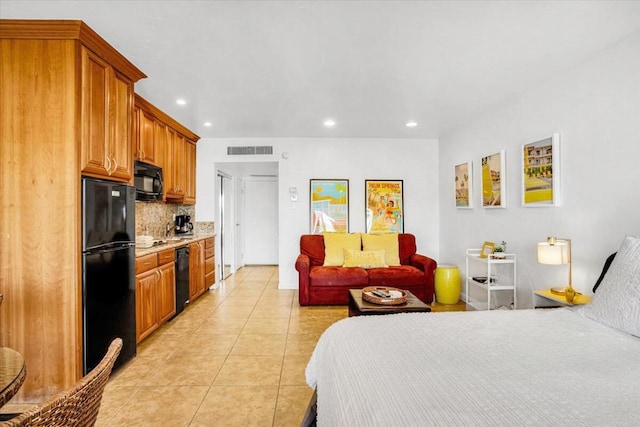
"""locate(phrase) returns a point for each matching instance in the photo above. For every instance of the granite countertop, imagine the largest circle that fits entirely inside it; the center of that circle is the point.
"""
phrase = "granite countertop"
(170, 243)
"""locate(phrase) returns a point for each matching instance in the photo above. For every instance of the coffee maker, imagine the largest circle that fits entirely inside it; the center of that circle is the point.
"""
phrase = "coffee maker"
(183, 224)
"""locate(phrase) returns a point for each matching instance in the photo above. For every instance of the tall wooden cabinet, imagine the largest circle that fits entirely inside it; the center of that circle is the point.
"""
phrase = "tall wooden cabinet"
(65, 110)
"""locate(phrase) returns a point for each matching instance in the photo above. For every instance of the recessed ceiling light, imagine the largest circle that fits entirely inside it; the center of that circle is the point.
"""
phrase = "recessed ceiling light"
(208, 124)
(181, 101)
(329, 123)
(411, 124)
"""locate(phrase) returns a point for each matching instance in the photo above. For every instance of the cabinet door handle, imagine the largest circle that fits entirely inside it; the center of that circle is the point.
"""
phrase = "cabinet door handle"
(108, 165)
(115, 165)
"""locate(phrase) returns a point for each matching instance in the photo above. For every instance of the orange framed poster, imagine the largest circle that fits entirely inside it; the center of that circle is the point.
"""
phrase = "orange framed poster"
(384, 208)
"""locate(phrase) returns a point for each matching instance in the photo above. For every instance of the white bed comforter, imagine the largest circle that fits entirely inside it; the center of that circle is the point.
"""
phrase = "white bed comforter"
(524, 367)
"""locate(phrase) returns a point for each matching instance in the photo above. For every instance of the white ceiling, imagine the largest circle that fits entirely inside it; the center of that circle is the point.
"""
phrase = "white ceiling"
(279, 68)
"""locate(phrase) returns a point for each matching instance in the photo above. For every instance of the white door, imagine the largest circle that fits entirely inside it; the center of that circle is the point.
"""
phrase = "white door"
(261, 221)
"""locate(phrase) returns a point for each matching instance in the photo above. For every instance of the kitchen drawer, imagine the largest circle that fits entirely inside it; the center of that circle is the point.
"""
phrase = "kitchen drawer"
(208, 252)
(146, 263)
(209, 265)
(210, 279)
(208, 243)
(166, 256)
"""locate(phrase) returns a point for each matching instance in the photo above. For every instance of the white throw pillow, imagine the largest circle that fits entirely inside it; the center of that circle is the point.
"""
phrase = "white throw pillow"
(616, 303)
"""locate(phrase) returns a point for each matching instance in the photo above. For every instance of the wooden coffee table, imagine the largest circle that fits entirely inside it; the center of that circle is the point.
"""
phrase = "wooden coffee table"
(360, 307)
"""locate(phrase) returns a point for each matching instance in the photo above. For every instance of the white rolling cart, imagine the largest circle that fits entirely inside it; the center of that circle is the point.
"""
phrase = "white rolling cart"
(496, 272)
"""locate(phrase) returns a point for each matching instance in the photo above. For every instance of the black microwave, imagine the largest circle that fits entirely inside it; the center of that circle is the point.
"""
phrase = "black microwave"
(148, 182)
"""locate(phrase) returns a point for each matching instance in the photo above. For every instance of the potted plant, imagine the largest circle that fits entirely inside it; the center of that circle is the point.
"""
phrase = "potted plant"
(499, 251)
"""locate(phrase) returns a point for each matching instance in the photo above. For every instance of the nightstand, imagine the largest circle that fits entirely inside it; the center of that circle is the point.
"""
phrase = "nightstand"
(544, 298)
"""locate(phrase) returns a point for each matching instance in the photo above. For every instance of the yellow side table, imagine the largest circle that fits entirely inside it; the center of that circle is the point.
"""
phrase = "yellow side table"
(447, 284)
(546, 298)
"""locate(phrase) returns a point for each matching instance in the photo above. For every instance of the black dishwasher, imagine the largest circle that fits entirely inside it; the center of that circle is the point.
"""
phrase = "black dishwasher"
(182, 278)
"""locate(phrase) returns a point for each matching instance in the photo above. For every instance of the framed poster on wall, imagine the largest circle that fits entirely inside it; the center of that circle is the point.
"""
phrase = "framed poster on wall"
(329, 205)
(541, 173)
(494, 179)
(384, 210)
(464, 185)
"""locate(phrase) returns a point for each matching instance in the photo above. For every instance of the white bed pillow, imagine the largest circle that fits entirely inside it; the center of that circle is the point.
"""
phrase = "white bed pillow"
(617, 300)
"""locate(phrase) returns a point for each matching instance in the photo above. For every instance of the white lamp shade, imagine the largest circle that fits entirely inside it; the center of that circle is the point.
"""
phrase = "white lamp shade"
(553, 254)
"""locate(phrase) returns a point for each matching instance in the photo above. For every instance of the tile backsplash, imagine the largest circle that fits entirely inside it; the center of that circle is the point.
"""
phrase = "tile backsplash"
(152, 219)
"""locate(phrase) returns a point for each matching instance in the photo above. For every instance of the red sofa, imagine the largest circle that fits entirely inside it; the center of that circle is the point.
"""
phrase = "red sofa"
(318, 285)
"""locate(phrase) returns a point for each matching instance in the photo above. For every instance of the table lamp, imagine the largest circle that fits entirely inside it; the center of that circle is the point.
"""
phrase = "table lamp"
(557, 251)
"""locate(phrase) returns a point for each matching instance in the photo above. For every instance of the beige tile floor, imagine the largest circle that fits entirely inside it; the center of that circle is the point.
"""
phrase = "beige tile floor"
(235, 357)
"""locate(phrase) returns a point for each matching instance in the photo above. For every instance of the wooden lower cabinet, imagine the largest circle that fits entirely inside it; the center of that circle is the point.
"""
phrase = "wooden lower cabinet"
(155, 292)
(167, 292)
(209, 262)
(146, 307)
(156, 284)
(196, 269)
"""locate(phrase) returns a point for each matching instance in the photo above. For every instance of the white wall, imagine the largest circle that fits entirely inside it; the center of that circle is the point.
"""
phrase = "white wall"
(596, 109)
(413, 160)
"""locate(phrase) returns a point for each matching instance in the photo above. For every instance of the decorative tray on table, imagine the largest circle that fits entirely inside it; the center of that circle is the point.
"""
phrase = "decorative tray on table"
(384, 295)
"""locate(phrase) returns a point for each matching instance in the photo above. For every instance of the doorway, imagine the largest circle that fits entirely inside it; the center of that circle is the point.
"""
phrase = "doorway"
(261, 220)
(239, 200)
(226, 264)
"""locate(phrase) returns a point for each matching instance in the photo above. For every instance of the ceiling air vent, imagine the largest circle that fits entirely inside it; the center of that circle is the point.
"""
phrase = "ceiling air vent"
(249, 151)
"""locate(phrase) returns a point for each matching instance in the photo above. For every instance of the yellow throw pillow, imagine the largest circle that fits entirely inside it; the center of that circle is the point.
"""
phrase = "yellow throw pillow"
(386, 242)
(364, 259)
(335, 244)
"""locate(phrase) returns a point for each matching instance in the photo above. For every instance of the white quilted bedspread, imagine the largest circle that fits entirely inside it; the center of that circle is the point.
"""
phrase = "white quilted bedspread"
(506, 368)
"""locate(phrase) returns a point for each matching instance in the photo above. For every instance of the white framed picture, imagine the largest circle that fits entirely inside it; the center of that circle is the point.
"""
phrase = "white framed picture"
(494, 181)
(463, 173)
(541, 173)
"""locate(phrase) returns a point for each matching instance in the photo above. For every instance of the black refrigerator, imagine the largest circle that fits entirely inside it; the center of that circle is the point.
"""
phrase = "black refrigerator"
(108, 270)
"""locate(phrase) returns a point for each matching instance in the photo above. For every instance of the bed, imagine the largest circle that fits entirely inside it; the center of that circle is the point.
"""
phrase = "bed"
(538, 367)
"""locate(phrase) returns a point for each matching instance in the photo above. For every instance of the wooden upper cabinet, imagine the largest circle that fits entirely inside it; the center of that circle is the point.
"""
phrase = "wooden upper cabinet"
(135, 130)
(179, 163)
(170, 167)
(146, 147)
(95, 114)
(190, 174)
(174, 150)
(174, 167)
(121, 127)
(106, 119)
(159, 140)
